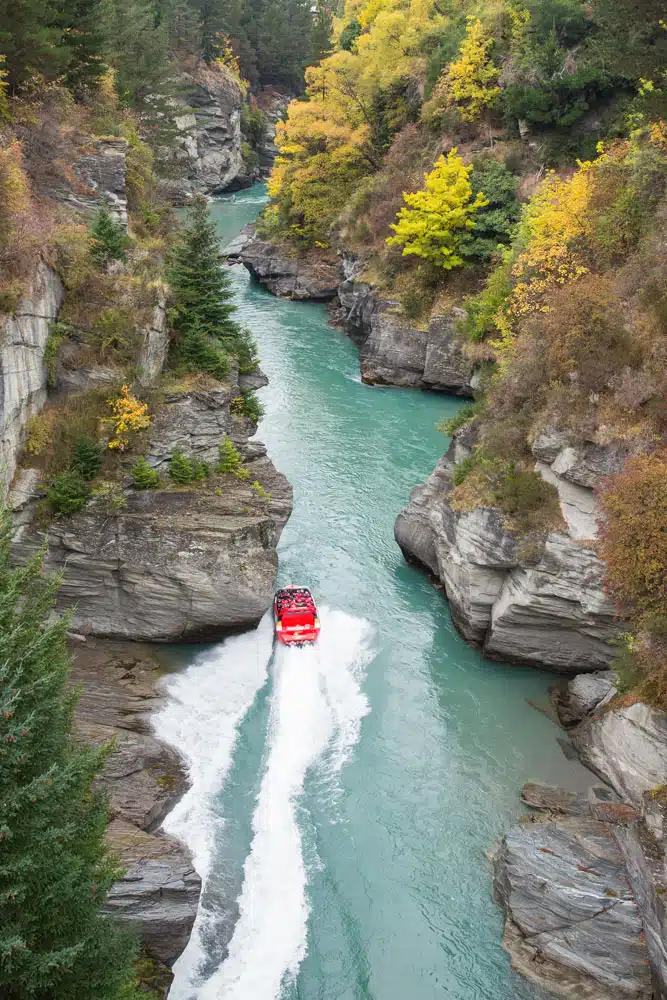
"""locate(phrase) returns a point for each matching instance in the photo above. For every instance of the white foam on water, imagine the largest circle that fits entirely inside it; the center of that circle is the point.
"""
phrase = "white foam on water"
(316, 711)
(205, 706)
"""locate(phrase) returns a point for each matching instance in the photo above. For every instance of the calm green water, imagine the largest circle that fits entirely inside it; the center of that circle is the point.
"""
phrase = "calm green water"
(344, 796)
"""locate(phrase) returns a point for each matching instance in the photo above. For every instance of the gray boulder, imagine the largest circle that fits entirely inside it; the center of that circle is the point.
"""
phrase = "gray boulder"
(627, 747)
(290, 275)
(583, 694)
(584, 463)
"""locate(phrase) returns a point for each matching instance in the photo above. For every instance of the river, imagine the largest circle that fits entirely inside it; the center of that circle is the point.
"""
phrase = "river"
(344, 796)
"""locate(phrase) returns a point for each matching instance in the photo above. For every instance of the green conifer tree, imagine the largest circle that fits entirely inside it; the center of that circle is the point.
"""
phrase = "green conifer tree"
(199, 283)
(108, 238)
(180, 468)
(55, 871)
(83, 40)
(145, 476)
(30, 41)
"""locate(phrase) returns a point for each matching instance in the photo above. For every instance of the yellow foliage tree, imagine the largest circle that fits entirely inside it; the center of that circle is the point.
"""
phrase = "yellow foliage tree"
(129, 415)
(472, 78)
(435, 219)
(551, 250)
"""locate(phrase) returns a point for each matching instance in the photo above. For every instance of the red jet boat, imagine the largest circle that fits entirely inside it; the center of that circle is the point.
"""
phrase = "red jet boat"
(295, 616)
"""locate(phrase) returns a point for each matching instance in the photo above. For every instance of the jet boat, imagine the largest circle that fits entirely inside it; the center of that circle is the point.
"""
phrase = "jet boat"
(295, 616)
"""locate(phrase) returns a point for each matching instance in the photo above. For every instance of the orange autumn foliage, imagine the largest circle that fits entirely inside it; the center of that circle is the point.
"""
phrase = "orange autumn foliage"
(633, 536)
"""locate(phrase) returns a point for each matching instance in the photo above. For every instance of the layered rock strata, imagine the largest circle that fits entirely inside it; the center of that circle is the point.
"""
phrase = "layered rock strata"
(174, 563)
(206, 153)
(283, 272)
(159, 892)
(550, 611)
(584, 884)
(23, 375)
(392, 352)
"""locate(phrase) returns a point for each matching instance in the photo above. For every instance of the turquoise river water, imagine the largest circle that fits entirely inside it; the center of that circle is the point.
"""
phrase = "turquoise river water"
(344, 796)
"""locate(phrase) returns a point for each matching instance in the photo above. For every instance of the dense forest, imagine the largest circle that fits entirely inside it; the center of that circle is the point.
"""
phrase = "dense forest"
(511, 158)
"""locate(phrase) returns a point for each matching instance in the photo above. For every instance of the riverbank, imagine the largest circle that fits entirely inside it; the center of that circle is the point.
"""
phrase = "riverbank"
(392, 350)
(121, 688)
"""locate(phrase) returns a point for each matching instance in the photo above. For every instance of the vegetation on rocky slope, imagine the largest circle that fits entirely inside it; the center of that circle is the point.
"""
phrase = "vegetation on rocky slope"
(512, 159)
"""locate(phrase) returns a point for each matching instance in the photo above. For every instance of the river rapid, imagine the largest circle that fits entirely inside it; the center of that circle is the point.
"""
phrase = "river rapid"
(343, 797)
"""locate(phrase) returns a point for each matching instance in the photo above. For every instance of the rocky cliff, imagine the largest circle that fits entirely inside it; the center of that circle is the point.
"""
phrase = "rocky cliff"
(583, 885)
(546, 609)
(159, 892)
(23, 375)
(206, 154)
(391, 350)
(174, 563)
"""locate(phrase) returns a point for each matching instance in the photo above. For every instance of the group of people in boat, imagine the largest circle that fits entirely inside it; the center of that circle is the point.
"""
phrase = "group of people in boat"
(298, 599)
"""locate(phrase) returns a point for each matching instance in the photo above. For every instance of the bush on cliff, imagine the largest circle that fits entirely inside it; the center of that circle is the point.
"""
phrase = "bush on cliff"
(68, 492)
(145, 476)
(108, 238)
(55, 870)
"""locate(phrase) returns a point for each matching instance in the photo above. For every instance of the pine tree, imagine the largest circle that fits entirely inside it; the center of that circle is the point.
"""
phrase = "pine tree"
(55, 871)
(180, 468)
(30, 41)
(229, 457)
(145, 476)
(199, 283)
(83, 40)
(108, 238)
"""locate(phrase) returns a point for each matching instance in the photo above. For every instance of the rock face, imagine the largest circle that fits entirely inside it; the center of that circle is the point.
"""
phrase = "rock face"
(627, 747)
(583, 463)
(97, 175)
(391, 352)
(23, 375)
(573, 922)
(207, 152)
(286, 274)
(177, 563)
(549, 613)
(159, 892)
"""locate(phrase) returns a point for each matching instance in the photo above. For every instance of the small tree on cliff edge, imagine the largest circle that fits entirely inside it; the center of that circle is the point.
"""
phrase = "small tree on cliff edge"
(199, 284)
(55, 871)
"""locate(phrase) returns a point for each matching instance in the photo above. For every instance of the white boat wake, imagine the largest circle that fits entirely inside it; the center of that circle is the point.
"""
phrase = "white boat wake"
(316, 710)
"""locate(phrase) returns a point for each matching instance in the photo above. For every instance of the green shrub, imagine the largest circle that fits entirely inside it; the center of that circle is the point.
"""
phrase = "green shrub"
(462, 416)
(252, 408)
(58, 333)
(111, 493)
(145, 476)
(68, 492)
(108, 238)
(463, 469)
(200, 470)
(180, 468)
(88, 454)
(262, 494)
(230, 457)
(521, 493)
